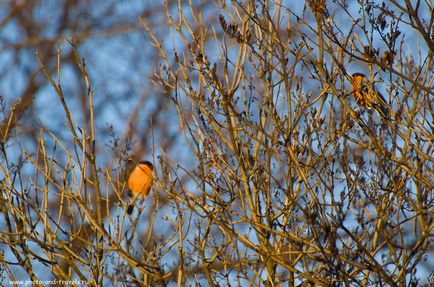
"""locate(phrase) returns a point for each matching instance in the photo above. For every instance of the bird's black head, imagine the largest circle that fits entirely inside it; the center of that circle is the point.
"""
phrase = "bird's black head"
(359, 75)
(147, 163)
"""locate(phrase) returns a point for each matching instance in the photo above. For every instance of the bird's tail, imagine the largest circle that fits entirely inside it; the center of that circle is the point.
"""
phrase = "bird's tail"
(130, 208)
(383, 110)
(131, 202)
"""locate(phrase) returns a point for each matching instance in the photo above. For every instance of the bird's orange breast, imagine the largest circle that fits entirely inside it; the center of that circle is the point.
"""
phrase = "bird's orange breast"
(140, 180)
(360, 91)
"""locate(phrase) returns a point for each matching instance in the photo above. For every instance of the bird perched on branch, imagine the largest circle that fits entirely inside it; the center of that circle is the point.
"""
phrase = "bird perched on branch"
(368, 96)
(139, 182)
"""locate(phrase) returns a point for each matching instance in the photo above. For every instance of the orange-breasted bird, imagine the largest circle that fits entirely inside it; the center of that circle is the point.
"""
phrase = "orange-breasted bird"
(140, 182)
(368, 96)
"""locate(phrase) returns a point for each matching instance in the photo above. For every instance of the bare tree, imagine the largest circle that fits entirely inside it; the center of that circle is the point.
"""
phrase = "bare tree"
(269, 171)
